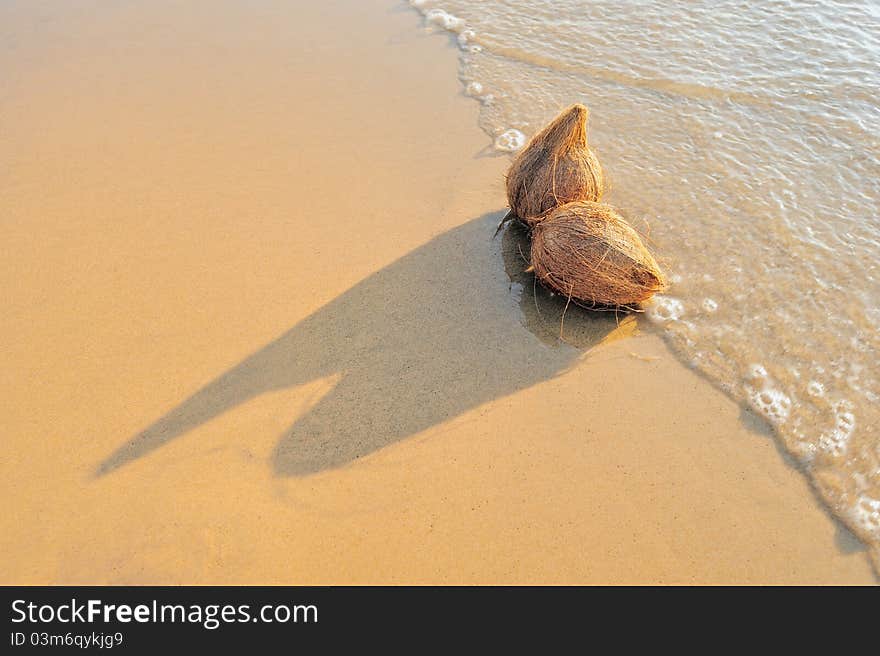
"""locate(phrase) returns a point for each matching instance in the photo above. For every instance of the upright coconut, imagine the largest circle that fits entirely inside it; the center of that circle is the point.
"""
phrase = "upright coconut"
(588, 253)
(556, 167)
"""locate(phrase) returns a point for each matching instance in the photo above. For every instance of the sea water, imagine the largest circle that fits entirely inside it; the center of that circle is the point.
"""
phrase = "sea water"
(745, 139)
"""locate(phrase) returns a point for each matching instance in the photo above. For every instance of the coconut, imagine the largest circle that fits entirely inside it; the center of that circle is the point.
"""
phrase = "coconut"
(589, 254)
(556, 167)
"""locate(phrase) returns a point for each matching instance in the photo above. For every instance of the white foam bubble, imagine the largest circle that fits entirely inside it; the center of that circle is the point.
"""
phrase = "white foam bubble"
(709, 305)
(445, 20)
(756, 371)
(866, 515)
(815, 388)
(510, 140)
(474, 89)
(665, 308)
(465, 41)
(836, 439)
(466, 36)
(770, 403)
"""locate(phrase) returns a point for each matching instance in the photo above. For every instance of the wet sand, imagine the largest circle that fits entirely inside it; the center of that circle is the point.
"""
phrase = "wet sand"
(257, 330)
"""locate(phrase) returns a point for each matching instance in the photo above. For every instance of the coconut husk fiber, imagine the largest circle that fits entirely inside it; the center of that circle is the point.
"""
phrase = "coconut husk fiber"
(589, 254)
(556, 167)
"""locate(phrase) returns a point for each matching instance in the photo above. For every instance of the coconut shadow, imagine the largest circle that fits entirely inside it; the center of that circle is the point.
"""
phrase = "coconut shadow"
(419, 342)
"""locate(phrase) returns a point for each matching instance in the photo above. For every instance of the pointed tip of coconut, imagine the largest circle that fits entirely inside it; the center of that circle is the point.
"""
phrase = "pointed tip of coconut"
(569, 128)
(574, 117)
(577, 111)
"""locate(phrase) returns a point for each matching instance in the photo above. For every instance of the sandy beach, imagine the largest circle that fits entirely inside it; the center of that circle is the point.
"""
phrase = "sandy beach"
(257, 331)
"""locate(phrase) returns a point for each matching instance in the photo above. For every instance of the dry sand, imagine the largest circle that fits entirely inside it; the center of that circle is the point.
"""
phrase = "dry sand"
(255, 330)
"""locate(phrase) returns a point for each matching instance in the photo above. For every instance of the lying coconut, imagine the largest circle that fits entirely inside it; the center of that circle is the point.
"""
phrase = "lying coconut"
(556, 167)
(588, 253)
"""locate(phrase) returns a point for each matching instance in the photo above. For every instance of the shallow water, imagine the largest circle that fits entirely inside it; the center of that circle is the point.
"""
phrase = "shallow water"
(745, 140)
